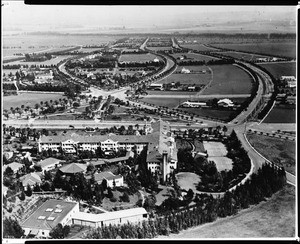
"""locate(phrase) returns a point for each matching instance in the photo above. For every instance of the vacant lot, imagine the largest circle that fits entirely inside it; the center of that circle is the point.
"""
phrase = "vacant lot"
(279, 151)
(280, 69)
(281, 114)
(138, 57)
(229, 79)
(272, 218)
(193, 57)
(287, 49)
(28, 99)
(245, 56)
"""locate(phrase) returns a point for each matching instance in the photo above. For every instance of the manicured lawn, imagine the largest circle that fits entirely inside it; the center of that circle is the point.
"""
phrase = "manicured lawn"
(281, 152)
(28, 99)
(269, 48)
(229, 79)
(281, 114)
(138, 57)
(280, 69)
(187, 180)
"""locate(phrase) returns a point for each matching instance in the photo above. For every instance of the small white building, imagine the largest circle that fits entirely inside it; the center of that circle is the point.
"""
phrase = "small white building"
(185, 71)
(189, 104)
(110, 178)
(225, 103)
(49, 164)
(134, 215)
(156, 60)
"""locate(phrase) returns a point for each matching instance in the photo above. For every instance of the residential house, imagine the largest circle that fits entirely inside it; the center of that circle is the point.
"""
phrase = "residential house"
(31, 179)
(49, 163)
(110, 178)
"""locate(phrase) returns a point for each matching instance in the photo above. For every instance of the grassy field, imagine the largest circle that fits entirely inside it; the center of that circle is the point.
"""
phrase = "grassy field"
(192, 78)
(171, 103)
(245, 56)
(193, 57)
(53, 61)
(281, 114)
(270, 48)
(138, 57)
(279, 69)
(269, 219)
(281, 152)
(28, 99)
(198, 47)
(229, 79)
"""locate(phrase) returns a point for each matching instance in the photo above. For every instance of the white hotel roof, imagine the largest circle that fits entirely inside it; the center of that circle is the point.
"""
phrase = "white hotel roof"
(90, 217)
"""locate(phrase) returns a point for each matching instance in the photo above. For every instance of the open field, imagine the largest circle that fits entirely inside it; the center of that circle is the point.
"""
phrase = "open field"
(281, 114)
(28, 99)
(167, 102)
(198, 47)
(89, 49)
(191, 78)
(53, 61)
(245, 56)
(187, 180)
(272, 218)
(281, 152)
(287, 49)
(229, 79)
(193, 57)
(138, 57)
(280, 69)
(222, 163)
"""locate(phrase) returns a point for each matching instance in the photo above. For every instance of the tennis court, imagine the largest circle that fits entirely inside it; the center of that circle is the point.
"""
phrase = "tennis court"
(217, 152)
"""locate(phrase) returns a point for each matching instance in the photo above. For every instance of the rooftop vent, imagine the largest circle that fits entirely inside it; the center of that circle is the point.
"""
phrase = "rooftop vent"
(49, 209)
(41, 217)
(51, 218)
(58, 210)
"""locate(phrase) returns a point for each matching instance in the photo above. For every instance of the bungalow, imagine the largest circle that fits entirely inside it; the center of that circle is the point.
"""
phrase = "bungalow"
(49, 163)
(14, 166)
(31, 179)
(110, 178)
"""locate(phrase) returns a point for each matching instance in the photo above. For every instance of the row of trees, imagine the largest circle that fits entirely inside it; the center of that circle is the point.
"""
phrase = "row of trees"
(264, 183)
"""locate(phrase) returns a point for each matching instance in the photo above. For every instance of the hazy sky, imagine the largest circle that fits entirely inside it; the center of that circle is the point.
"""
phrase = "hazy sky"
(17, 14)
